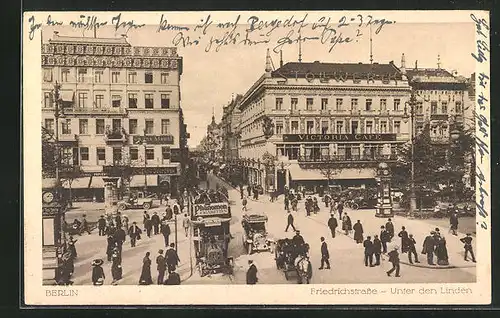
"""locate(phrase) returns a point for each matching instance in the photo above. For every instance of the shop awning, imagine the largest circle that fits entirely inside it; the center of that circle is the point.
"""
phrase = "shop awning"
(297, 173)
(77, 183)
(138, 181)
(97, 183)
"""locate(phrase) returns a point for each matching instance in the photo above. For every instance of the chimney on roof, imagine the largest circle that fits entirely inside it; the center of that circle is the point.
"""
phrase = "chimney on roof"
(281, 58)
(403, 64)
(416, 64)
(268, 62)
(439, 62)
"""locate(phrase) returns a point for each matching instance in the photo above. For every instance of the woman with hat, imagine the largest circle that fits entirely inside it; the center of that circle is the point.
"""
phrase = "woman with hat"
(97, 272)
(145, 278)
(116, 266)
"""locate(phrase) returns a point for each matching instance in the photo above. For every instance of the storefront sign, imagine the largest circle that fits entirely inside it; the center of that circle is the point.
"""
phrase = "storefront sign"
(211, 209)
(338, 137)
(154, 140)
(155, 170)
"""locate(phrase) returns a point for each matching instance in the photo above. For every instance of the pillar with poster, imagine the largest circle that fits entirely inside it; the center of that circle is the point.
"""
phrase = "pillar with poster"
(384, 197)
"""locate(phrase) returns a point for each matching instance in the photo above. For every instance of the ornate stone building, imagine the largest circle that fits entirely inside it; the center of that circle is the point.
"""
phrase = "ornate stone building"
(121, 107)
(311, 124)
(442, 100)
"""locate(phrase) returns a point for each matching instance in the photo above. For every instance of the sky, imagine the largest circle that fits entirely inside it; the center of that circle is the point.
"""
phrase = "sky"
(210, 79)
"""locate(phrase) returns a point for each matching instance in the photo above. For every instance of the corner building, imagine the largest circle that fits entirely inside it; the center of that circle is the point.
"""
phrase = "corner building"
(332, 123)
(121, 108)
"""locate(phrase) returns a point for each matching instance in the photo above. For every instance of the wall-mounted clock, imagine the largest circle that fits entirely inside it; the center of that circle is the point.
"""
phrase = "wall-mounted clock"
(48, 197)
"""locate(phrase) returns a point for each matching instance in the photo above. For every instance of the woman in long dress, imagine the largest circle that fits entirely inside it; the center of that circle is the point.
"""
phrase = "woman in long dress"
(146, 271)
(442, 252)
(116, 266)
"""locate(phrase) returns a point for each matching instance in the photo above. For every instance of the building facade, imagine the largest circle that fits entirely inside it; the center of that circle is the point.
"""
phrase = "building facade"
(121, 107)
(311, 124)
(230, 124)
(442, 100)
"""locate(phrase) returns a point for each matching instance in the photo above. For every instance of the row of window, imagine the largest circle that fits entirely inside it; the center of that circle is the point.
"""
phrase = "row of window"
(339, 105)
(116, 100)
(343, 151)
(339, 128)
(85, 76)
(100, 128)
(368, 106)
(117, 154)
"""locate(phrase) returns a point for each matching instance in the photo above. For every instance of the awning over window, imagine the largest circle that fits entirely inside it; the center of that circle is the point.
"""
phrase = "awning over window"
(77, 183)
(97, 183)
(67, 96)
(298, 173)
(138, 180)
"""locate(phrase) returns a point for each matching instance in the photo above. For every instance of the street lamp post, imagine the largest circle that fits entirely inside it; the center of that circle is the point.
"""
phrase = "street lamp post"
(57, 114)
(412, 103)
(145, 163)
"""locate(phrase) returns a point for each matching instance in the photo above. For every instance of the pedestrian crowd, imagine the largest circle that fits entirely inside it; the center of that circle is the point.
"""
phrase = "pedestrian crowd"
(116, 228)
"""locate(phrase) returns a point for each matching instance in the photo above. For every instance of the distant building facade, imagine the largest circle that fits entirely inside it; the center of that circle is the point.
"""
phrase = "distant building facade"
(121, 108)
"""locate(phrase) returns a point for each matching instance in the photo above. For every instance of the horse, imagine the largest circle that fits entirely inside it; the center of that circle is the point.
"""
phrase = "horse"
(304, 269)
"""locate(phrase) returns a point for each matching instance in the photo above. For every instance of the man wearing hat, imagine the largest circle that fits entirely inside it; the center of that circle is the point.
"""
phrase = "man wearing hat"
(289, 222)
(97, 272)
(468, 246)
(101, 224)
(298, 240)
(429, 247)
(161, 266)
(411, 249)
(135, 233)
(155, 219)
(332, 224)
(394, 259)
(165, 231)
(252, 273)
(172, 258)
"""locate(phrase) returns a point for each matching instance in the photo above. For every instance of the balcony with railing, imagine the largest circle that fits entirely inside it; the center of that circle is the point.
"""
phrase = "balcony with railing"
(347, 158)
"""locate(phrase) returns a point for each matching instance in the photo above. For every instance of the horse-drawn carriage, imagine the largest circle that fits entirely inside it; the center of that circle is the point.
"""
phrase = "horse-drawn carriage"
(293, 258)
(255, 235)
(211, 237)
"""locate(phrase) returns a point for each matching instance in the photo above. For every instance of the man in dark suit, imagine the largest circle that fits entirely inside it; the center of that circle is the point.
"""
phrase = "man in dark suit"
(289, 222)
(468, 247)
(389, 227)
(394, 260)
(101, 224)
(384, 238)
(332, 224)
(135, 233)
(161, 266)
(298, 240)
(377, 249)
(252, 273)
(429, 247)
(172, 258)
(412, 250)
(325, 256)
(368, 245)
(165, 231)
(155, 219)
(120, 236)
